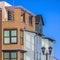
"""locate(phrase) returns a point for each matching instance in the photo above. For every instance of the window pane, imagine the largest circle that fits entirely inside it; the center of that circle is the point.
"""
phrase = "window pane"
(6, 55)
(21, 33)
(21, 41)
(13, 59)
(13, 55)
(23, 17)
(13, 33)
(6, 33)
(30, 20)
(21, 56)
(21, 37)
(6, 40)
(13, 40)
(10, 15)
(6, 59)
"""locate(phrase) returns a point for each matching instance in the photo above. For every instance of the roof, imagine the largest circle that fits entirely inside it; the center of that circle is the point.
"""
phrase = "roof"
(39, 34)
(30, 31)
(9, 6)
(20, 7)
(48, 38)
(44, 37)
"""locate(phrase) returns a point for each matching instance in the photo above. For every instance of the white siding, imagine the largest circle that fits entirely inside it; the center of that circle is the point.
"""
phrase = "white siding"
(33, 43)
(29, 45)
(37, 48)
(46, 43)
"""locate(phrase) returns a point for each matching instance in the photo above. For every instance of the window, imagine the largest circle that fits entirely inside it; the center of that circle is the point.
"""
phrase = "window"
(21, 37)
(30, 20)
(23, 17)
(10, 36)
(21, 56)
(10, 15)
(10, 55)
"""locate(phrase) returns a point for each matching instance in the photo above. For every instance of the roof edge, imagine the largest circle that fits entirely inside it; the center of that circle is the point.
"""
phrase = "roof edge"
(49, 38)
(20, 8)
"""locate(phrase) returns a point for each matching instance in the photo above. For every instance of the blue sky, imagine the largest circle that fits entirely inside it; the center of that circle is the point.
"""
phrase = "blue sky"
(50, 10)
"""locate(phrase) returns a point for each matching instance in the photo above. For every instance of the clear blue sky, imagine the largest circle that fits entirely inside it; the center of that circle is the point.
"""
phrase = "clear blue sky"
(50, 10)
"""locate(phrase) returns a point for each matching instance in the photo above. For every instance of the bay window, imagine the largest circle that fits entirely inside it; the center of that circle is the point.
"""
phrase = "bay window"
(10, 55)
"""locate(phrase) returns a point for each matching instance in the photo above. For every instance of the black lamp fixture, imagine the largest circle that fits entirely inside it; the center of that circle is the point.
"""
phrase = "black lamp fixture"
(43, 50)
(50, 50)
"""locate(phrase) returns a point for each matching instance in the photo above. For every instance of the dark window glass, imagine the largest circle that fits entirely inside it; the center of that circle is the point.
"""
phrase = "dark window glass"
(21, 37)
(10, 15)
(10, 36)
(30, 20)
(23, 17)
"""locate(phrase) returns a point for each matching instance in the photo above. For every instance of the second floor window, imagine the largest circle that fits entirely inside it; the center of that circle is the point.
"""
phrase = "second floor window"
(10, 15)
(21, 37)
(23, 17)
(10, 36)
(30, 20)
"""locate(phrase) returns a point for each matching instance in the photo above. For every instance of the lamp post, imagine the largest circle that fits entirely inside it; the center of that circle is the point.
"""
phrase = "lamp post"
(46, 53)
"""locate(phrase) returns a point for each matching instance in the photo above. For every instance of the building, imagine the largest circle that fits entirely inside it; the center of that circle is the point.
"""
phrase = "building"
(19, 37)
(43, 44)
(13, 20)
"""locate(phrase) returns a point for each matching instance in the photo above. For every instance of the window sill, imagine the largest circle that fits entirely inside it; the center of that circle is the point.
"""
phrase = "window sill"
(8, 20)
(9, 43)
(30, 25)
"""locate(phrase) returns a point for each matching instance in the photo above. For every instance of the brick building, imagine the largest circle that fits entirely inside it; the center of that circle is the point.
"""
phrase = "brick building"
(17, 33)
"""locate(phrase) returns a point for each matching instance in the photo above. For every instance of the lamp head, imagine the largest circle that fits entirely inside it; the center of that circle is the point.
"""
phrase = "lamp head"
(43, 50)
(50, 50)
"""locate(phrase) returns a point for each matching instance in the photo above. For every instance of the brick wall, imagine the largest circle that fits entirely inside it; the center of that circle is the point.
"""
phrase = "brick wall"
(0, 34)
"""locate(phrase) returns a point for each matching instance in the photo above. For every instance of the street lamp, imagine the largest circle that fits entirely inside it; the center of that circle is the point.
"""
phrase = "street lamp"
(43, 51)
(50, 50)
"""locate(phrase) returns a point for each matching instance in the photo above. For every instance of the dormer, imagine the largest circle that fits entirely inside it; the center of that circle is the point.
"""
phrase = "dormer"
(39, 23)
